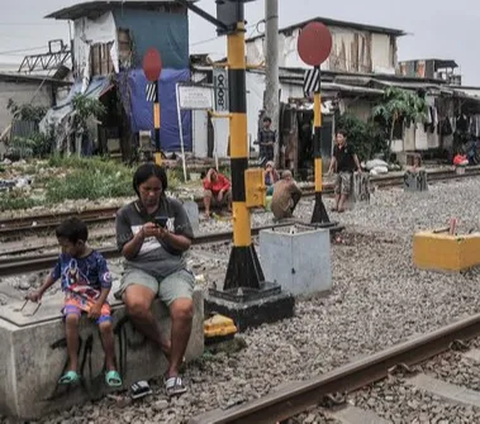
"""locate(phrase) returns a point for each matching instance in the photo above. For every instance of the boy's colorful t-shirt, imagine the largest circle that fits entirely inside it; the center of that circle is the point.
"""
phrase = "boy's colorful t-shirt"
(83, 278)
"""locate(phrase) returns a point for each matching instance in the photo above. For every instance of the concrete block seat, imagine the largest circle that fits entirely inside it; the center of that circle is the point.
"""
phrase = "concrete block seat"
(33, 355)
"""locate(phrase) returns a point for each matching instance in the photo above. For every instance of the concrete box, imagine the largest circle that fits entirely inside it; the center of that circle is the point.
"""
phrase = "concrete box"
(33, 356)
(360, 190)
(415, 181)
(191, 208)
(445, 252)
(300, 262)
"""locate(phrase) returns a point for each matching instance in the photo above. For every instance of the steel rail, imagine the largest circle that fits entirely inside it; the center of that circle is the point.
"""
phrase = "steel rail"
(25, 264)
(298, 397)
(55, 217)
(46, 222)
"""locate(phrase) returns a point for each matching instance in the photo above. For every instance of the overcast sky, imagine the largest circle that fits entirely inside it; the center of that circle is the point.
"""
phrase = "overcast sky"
(447, 30)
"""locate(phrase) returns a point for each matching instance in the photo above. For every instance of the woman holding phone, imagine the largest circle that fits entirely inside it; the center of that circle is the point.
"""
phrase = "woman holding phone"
(153, 233)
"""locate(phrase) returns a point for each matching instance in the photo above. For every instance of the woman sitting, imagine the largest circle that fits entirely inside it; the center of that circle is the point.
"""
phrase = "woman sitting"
(153, 233)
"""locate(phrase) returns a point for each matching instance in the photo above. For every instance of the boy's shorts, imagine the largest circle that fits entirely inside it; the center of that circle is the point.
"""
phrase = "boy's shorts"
(343, 183)
(75, 306)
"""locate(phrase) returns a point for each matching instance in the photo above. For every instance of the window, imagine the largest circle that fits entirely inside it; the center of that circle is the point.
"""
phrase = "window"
(100, 59)
(124, 48)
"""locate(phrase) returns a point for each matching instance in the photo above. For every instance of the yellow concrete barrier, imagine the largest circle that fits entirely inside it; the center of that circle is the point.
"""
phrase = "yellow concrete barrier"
(445, 252)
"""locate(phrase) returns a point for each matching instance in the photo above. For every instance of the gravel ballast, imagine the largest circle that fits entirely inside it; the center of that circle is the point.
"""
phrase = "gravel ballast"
(378, 299)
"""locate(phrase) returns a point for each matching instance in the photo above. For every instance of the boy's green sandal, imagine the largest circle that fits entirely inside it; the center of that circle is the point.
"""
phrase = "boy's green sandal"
(113, 379)
(71, 377)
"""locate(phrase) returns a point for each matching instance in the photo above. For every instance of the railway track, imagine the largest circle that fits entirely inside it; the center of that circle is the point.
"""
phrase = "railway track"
(33, 263)
(48, 222)
(332, 388)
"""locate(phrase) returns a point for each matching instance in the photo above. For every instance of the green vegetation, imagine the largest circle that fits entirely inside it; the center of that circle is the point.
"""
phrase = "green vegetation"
(399, 107)
(38, 145)
(74, 178)
(368, 138)
(26, 112)
(96, 163)
(88, 185)
(17, 199)
(92, 179)
(86, 108)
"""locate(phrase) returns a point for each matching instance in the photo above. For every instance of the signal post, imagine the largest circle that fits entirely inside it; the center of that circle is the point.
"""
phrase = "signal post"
(246, 297)
(314, 47)
(152, 67)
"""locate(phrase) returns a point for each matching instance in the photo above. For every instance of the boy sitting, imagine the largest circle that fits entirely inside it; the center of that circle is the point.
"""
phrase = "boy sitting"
(86, 282)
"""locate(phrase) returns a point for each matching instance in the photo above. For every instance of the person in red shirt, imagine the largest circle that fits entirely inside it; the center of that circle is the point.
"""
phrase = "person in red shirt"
(217, 191)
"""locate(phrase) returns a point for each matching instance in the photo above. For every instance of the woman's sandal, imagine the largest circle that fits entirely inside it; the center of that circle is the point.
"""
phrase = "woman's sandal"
(174, 386)
(71, 377)
(113, 379)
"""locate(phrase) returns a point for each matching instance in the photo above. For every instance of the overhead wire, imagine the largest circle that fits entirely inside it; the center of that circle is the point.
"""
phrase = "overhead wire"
(30, 49)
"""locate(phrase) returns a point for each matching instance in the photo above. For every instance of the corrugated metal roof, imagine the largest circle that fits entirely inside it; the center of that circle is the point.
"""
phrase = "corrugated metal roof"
(439, 63)
(94, 9)
(341, 24)
(15, 77)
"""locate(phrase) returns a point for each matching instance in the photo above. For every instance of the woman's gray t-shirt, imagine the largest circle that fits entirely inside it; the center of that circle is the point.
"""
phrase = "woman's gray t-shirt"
(156, 257)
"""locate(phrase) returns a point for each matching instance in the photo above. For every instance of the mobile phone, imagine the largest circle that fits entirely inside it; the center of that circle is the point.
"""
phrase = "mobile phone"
(161, 221)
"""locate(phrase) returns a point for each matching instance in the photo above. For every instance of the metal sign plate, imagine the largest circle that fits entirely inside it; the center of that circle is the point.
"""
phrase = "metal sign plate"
(315, 44)
(220, 83)
(152, 65)
(195, 97)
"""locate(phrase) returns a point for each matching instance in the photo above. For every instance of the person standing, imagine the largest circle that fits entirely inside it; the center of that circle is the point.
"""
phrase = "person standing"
(286, 195)
(267, 139)
(344, 162)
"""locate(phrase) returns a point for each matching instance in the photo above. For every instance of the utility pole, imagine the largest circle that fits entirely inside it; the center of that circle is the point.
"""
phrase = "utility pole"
(272, 97)
(244, 268)
(245, 297)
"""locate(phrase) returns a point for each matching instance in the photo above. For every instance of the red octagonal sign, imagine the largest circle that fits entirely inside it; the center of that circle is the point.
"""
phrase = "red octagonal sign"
(314, 44)
(152, 65)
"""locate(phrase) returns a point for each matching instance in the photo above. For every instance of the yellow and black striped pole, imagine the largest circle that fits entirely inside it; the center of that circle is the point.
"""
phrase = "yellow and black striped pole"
(156, 125)
(320, 214)
(244, 268)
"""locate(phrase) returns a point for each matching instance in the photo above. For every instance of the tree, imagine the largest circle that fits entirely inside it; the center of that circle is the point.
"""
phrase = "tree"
(84, 108)
(368, 138)
(26, 112)
(400, 107)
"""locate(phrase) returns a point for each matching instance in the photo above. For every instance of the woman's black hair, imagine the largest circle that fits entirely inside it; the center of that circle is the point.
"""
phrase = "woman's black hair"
(146, 171)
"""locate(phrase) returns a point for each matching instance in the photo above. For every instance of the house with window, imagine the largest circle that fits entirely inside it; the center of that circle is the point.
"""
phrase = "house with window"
(110, 39)
(357, 50)
(356, 47)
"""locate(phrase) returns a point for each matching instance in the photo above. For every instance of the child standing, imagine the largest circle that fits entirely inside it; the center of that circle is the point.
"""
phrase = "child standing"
(86, 282)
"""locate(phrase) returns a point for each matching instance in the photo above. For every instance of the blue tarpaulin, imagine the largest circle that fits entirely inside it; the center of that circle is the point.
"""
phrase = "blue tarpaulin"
(167, 31)
(141, 111)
